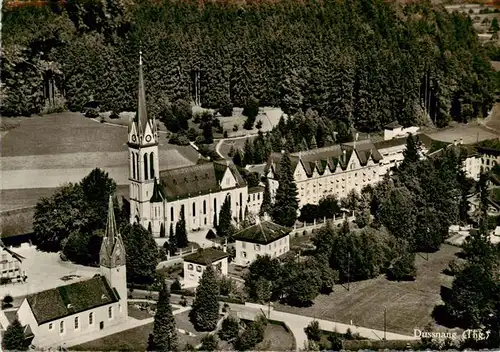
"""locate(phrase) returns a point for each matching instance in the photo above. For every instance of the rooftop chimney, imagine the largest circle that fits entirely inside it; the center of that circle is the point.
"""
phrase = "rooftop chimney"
(455, 142)
(344, 155)
(461, 140)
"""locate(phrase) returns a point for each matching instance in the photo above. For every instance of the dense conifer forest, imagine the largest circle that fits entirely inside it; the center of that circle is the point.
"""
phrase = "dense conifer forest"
(356, 63)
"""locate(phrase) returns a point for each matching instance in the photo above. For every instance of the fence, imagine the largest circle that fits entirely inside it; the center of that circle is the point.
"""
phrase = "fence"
(317, 224)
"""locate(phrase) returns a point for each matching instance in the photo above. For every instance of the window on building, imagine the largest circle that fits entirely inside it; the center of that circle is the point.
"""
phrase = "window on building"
(194, 209)
(91, 318)
(205, 221)
(258, 196)
(198, 268)
(110, 312)
(133, 165)
(248, 198)
(244, 254)
(76, 323)
(257, 247)
(171, 213)
(145, 166)
(204, 207)
(182, 209)
(51, 326)
(61, 327)
(151, 165)
(253, 197)
(190, 267)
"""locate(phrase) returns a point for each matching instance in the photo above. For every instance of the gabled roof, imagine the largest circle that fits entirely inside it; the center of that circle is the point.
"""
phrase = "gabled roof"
(67, 300)
(205, 256)
(256, 189)
(263, 232)
(196, 179)
(331, 157)
(12, 253)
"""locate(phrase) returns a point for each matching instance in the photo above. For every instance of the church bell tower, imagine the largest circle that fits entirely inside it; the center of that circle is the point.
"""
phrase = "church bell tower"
(112, 259)
(143, 158)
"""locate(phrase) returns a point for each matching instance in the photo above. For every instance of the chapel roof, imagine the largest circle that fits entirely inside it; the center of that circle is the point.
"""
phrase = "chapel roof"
(77, 297)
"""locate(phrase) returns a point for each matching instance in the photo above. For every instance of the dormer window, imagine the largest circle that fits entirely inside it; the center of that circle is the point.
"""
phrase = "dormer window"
(104, 297)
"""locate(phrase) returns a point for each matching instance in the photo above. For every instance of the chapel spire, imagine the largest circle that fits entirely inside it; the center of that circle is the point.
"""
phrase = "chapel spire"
(112, 252)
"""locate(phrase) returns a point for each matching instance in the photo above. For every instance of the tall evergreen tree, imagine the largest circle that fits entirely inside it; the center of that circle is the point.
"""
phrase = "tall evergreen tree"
(247, 153)
(180, 231)
(205, 312)
(172, 240)
(412, 151)
(162, 230)
(14, 338)
(225, 218)
(286, 204)
(266, 205)
(164, 330)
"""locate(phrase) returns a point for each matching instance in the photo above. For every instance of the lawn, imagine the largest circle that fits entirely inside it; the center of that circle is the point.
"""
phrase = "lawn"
(276, 338)
(409, 304)
(137, 313)
(136, 339)
(235, 143)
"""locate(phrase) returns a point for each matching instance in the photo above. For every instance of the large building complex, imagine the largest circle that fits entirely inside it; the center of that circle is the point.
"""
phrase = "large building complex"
(158, 197)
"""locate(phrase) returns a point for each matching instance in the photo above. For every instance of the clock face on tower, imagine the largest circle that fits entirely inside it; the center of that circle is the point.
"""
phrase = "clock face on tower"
(148, 138)
(134, 138)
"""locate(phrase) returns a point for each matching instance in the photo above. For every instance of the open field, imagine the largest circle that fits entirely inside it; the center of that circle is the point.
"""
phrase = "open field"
(235, 143)
(137, 339)
(44, 152)
(409, 304)
(470, 134)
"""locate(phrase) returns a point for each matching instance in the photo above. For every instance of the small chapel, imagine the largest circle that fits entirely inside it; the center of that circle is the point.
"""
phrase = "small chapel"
(158, 197)
(63, 313)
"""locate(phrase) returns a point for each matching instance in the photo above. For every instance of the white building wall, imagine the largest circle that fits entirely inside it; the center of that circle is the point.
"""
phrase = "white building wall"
(193, 271)
(50, 333)
(473, 167)
(254, 202)
(247, 252)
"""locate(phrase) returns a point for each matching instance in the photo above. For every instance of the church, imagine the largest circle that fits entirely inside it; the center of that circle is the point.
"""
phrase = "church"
(63, 313)
(157, 197)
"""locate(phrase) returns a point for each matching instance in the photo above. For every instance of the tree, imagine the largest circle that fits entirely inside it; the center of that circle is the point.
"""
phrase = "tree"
(172, 240)
(225, 218)
(403, 266)
(308, 213)
(209, 343)
(266, 205)
(83, 247)
(205, 312)
(164, 329)
(162, 230)
(14, 338)
(252, 335)
(494, 25)
(284, 211)
(142, 254)
(230, 328)
(263, 268)
(412, 151)
(362, 218)
(398, 214)
(180, 231)
(313, 331)
(328, 206)
(247, 153)
(250, 110)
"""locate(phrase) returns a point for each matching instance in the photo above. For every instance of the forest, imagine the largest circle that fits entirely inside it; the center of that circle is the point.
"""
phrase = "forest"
(357, 64)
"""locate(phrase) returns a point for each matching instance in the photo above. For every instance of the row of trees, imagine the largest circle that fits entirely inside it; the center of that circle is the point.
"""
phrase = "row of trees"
(361, 63)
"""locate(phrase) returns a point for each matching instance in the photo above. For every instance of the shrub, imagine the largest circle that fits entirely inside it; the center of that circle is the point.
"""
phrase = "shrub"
(313, 331)
(258, 125)
(230, 328)
(192, 134)
(226, 108)
(114, 115)
(178, 139)
(211, 235)
(209, 343)
(225, 134)
(92, 113)
(176, 285)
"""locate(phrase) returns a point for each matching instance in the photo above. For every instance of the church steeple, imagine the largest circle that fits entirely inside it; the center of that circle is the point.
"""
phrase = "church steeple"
(112, 252)
(142, 114)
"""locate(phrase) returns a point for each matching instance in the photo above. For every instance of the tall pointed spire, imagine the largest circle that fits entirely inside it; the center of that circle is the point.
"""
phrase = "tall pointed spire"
(111, 231)
(142, 115)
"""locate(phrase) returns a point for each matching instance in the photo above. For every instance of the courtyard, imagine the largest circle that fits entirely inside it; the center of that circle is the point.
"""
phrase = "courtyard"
(45, 271)
(409, 305)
